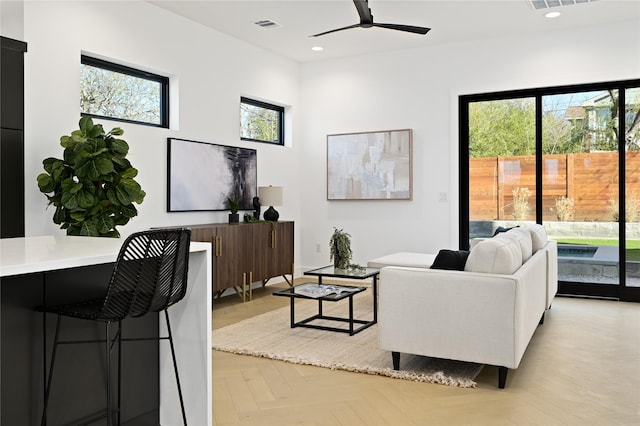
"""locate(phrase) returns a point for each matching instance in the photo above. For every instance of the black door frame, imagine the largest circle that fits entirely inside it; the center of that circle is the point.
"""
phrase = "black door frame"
(615, 291)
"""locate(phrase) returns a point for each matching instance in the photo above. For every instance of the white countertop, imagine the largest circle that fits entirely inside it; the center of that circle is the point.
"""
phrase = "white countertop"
(50, 252)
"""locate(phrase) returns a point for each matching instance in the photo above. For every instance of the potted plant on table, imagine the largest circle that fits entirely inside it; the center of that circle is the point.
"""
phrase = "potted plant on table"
(92, 186)
(340, 249)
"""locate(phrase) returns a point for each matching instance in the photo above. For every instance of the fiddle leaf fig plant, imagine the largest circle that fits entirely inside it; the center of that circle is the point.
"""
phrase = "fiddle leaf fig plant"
(92, 187)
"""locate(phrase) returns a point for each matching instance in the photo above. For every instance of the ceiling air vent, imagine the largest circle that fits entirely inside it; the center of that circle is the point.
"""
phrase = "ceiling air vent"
(545, 4)
(266, 23)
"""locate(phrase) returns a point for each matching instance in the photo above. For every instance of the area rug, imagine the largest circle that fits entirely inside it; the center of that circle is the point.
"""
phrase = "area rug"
(270, 336)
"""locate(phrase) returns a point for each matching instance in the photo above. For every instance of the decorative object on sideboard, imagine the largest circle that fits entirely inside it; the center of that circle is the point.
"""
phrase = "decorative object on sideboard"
(340, 249)
(93, 186)
(233, 202)
(256, 207)
(271, 196)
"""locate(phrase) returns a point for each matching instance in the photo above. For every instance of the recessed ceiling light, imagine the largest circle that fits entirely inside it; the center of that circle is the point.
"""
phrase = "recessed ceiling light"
(552, 14)
(317, 48)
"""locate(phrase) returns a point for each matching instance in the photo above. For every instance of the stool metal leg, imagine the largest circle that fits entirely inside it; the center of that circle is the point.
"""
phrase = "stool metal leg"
(175, 367)
(119, 370)
(107, 345)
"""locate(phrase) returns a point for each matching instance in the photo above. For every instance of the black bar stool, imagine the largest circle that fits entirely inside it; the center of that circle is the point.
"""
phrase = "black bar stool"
(150, 275)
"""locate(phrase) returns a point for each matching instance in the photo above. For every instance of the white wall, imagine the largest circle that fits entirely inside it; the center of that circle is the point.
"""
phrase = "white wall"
(418, 89)
(11, 19)
(211, 71)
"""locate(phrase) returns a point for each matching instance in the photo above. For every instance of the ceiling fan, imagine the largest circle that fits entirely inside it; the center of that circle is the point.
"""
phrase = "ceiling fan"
(366, 21)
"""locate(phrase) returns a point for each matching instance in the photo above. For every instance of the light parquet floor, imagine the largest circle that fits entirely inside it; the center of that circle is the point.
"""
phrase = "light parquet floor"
(582, 367)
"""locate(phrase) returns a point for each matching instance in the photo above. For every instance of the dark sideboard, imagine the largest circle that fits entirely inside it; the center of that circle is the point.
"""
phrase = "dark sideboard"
(244, 253)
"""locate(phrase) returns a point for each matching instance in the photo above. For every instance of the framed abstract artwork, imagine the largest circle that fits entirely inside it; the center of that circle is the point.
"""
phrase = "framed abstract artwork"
(202, 175)
(370, 166)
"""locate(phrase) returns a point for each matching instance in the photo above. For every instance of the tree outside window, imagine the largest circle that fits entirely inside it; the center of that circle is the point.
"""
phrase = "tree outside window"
(116, 92)
(261, 121)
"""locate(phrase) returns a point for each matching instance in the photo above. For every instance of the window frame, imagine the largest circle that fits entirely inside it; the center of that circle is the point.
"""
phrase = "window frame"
(266, 105)
(138, 73)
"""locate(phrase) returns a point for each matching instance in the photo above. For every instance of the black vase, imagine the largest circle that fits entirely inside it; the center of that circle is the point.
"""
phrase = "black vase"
(271, 214)
(234, 217)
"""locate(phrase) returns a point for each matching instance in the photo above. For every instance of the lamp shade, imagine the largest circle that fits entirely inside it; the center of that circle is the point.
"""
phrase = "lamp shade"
(270, 195)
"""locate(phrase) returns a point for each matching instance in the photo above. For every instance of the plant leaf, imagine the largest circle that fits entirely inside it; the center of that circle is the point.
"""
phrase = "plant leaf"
(85, 199)
(45, 183)
(89, 229)
(104, 224)
(122, 195)
(78, 216)
(86, 124)
(60, 215)
(129, 211)
(86, 168)
(48, 163)
(104, 165)
(69, 201)
(119, 146)
(130, 173)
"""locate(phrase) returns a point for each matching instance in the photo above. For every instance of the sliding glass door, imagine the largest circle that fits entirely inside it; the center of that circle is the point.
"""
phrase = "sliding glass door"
(568, 158)
(631, 200)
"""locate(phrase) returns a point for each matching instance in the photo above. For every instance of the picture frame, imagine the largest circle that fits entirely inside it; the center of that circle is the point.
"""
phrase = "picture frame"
(201, 175)
(370, 165)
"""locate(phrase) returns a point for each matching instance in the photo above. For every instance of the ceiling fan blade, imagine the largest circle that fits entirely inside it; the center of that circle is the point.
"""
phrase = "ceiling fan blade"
(406, 28)
(363, 10)
(333, 31)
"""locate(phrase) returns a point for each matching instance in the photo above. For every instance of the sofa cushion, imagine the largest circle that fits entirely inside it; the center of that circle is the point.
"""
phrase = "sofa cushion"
(521, 236)
(453, 260)
(495, 256)
(539, 237)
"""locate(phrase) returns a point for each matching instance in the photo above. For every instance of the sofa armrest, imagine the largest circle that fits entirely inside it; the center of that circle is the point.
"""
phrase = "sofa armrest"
(551, 250)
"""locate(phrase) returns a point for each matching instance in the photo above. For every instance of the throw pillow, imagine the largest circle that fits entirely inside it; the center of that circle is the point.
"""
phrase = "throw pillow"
(495, 256)
(539, 237)
(453, 260)
(523, 237)
(500, 229)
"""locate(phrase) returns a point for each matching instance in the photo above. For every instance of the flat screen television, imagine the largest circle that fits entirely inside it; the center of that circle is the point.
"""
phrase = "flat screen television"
(201, 175)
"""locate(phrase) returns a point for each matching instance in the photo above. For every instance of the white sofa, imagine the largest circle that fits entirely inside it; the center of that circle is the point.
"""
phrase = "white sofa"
(485, 314)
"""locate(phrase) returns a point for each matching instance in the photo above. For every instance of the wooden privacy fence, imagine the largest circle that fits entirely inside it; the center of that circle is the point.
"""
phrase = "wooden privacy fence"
(577, 187)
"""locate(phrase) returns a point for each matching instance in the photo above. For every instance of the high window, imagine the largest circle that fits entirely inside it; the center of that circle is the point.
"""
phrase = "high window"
(261, 121)
(116, 92)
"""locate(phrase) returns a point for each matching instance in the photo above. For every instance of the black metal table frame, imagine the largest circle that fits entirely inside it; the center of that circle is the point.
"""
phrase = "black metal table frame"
(333, 298)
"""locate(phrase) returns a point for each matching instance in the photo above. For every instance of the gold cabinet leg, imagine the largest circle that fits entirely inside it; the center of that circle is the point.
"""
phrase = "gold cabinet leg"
(244, 286)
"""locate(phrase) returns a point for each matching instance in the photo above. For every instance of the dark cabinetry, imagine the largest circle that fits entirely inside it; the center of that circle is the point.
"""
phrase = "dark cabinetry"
(11, 137)
(78, 387)
(244, 253)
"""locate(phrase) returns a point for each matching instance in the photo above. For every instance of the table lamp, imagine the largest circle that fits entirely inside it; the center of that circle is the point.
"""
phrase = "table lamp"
(270, 196)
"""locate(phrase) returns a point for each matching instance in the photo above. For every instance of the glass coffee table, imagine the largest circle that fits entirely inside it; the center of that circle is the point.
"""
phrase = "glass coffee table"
(333, 293)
